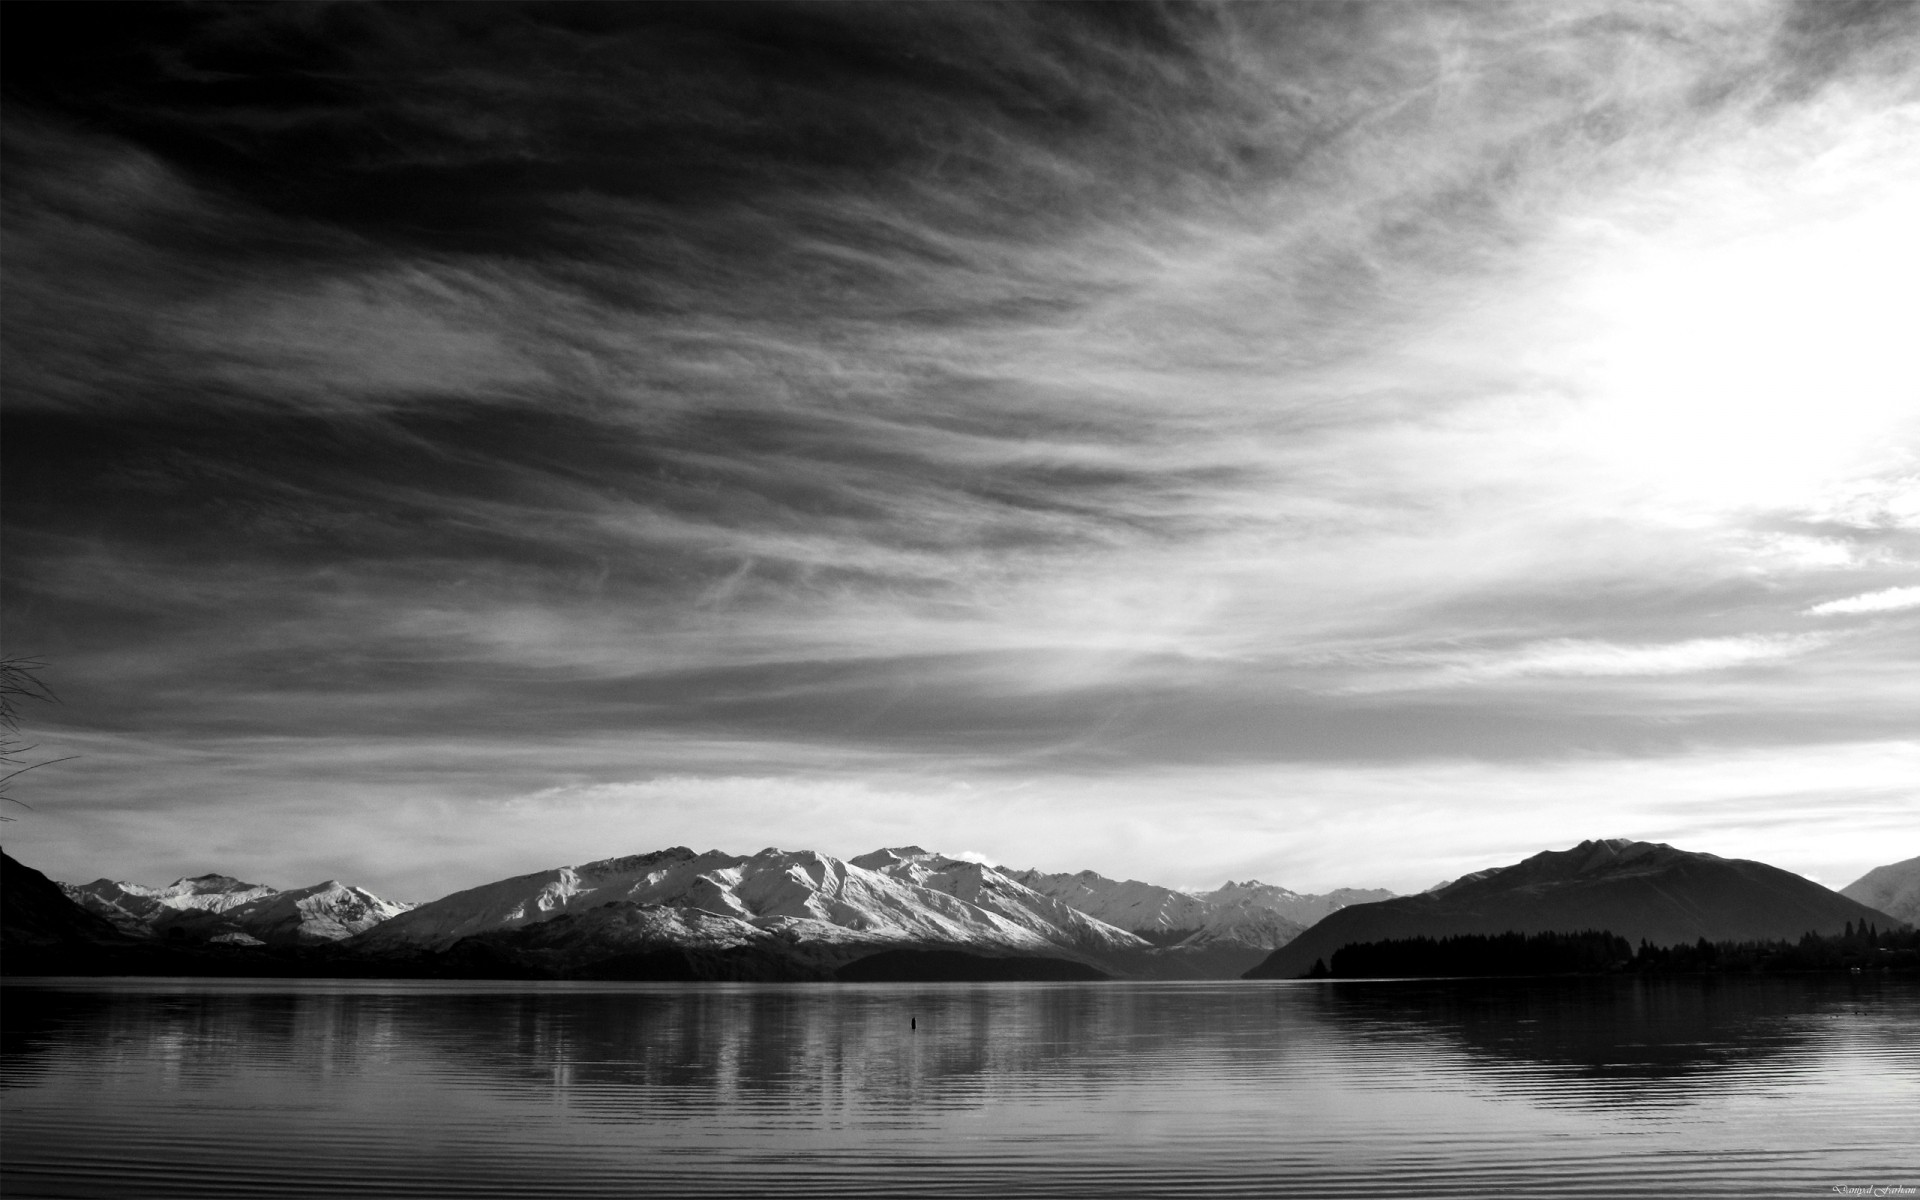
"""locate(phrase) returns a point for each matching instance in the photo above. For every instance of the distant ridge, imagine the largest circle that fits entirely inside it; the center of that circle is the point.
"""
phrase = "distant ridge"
(1893, 889)
(1246, 916)
(1638, 890)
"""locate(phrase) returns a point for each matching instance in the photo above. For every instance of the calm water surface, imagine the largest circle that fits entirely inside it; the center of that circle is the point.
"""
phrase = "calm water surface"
(197, 1088)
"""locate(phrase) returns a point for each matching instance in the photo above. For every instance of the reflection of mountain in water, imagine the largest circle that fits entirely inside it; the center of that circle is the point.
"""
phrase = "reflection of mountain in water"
(1605, 1042)
(944, 1091)
(901, 1042)
(882, 1044)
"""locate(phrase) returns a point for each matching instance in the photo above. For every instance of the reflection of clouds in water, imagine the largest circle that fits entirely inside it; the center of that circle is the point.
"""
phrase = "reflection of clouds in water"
(871, 1048)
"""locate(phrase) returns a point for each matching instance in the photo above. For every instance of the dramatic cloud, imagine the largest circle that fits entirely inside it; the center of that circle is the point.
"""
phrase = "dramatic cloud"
(739, 424)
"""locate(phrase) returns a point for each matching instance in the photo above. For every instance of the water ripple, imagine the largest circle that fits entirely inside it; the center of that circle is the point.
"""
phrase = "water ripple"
(1584, 1089)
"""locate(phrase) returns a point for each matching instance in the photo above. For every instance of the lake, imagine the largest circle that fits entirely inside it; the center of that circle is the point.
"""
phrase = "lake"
(1595, 1088)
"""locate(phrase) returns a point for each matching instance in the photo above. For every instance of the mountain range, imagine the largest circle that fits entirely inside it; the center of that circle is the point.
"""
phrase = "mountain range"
(1218, 933)
(220, 908)
(1637, 890)
(678, 913)
(772, 914)
(819, 913)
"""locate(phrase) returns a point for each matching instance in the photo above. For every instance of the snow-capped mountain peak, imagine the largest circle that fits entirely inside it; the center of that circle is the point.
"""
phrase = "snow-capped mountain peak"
(211, 907)
(894, 896)
(325, 912)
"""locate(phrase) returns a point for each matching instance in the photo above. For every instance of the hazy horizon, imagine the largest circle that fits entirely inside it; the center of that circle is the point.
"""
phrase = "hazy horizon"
(1339, 445)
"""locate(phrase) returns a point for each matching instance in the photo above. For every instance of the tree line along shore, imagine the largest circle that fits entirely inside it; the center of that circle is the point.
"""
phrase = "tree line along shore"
(1858, 949)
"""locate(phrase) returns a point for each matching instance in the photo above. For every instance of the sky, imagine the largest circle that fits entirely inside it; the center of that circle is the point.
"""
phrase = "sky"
(1343, 445)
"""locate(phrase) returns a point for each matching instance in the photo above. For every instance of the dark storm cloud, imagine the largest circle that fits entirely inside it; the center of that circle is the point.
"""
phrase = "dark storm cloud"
(418, 123)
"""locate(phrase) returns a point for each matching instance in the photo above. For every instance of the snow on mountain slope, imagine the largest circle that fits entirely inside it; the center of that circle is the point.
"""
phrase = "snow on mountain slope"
(624, 940)
(140, 910)
(994, 891)
(326, 912)
(1145, 908)
(211, 907)
(888, 897)
(1893, 889)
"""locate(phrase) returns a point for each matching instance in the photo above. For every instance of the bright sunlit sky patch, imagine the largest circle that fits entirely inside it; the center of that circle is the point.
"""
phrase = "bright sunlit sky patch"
(1340, 445)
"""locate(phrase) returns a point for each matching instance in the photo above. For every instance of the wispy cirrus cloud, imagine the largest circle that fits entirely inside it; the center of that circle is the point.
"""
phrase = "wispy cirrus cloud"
(1571, 657)
(1576, 658)
(1095, 388)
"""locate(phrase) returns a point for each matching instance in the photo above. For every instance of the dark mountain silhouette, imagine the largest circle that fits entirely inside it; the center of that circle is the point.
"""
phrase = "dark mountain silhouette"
(1637, 890)
(1589, 952)
(38, 921)
(957, 966)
